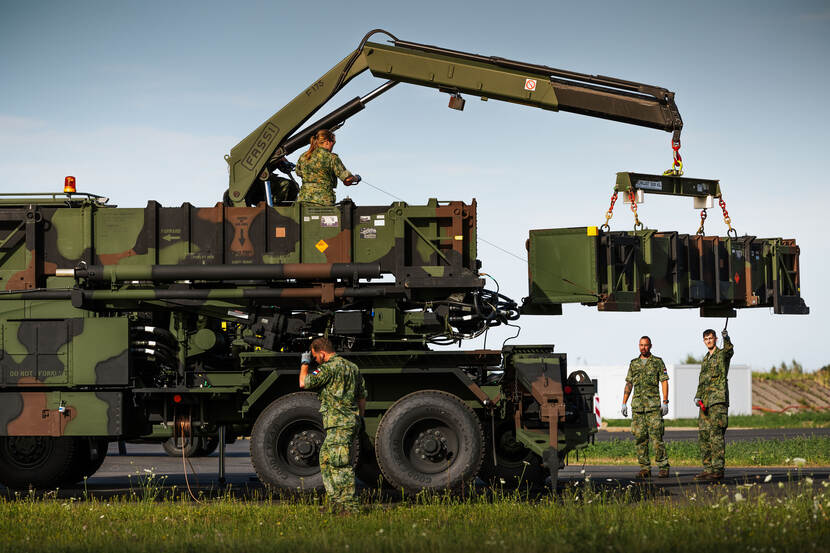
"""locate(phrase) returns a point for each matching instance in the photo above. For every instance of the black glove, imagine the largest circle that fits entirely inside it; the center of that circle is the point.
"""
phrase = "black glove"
(285, 166)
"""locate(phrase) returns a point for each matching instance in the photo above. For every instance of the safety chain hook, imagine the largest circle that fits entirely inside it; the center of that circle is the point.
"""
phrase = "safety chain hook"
(633, 199)
(703, 215)
(677, 160)
(610, 213)
(726, 219)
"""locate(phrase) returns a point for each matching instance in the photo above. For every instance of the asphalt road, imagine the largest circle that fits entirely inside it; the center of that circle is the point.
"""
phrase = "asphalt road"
(147, 463)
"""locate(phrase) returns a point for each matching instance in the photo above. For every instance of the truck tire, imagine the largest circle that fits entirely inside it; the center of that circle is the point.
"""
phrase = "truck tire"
(367, 469)
(192, 446)
(90, 455)
(37, 461)
(285, 443)
(429, 440)
(515, 465)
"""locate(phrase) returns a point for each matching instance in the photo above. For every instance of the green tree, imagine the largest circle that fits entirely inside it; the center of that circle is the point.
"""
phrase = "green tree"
(692, 360)
(796, 367)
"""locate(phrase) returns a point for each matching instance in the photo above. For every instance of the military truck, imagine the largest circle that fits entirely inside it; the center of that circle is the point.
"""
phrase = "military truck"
(160, 322)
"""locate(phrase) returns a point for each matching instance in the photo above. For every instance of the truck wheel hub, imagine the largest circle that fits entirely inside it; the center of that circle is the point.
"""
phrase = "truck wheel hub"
(431, 443)
(27, 450)
(304, 446)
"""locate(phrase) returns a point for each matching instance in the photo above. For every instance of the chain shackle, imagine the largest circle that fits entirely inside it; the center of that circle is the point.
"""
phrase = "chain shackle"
(633, 199)
(610, 213)
(726, 218)
(703, 215)
(676, 168)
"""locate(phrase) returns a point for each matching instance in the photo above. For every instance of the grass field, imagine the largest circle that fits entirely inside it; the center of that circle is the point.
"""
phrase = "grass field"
(793, 451)
(580, 519)
(801, 419)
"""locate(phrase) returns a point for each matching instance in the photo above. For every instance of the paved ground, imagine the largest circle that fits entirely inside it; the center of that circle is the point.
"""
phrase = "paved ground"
(121, 474)
(732, 435)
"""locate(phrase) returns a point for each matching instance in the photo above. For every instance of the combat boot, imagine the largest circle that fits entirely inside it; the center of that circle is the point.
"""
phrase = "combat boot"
(703, 475)
(715, 476)
(664, 473)
(644, 473)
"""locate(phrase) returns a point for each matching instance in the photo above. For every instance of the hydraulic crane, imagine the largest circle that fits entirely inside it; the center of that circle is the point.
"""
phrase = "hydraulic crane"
(254, 160)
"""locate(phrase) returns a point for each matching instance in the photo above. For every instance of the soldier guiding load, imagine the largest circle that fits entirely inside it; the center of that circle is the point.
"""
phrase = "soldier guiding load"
(712, 398)
(342, 404)
(645, 374)
(320, 168)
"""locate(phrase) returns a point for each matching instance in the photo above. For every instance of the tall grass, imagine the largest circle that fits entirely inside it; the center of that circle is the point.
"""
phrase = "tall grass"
(582, 518)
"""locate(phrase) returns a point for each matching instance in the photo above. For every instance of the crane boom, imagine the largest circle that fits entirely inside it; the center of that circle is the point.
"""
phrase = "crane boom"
(456, 73)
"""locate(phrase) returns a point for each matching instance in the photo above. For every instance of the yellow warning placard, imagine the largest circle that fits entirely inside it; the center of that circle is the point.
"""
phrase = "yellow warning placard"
(321, 245)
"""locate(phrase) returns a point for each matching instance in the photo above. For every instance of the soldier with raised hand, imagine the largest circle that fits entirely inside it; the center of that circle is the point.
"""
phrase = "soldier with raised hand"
(646, 374)
(712, 398)
(319, 169)
(342, 402)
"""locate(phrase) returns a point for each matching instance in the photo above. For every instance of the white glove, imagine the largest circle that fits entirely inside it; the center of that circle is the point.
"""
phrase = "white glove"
(306, 358)
(664, 409)
(624, 410)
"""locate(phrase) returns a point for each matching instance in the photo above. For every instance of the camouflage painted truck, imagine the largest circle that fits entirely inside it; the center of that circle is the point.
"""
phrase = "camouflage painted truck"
(146, 323)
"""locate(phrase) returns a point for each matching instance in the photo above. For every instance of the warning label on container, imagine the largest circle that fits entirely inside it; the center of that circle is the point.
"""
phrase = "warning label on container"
(530, 84)
(369, 232)
(321, 245)
(328, 221)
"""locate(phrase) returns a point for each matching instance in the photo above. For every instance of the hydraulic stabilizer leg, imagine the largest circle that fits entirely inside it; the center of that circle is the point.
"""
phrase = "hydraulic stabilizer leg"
(550, 459)
(222, 431)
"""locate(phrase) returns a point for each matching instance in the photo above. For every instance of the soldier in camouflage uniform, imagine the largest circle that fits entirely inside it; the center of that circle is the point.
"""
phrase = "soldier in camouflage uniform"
(645, 374)
(320, 168)
(712, 398)
(342, 402)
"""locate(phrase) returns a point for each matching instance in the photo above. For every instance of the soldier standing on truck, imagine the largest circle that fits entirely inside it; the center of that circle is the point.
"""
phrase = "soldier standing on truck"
(320, 168)
(342, 403)
(712, 398)
(645, 374)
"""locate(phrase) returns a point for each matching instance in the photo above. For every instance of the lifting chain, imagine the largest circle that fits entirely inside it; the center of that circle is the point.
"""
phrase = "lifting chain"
(609, 213)
(700, 231)
(726, 219)
(637, 224)
(677, 163)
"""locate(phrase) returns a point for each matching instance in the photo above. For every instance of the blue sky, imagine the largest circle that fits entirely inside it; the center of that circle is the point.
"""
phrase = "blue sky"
(142, 100)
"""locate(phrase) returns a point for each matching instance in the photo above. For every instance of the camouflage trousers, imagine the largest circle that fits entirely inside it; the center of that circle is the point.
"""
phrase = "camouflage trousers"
(317, 194)
(648, 426)
(336, 466)
(711, 430)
